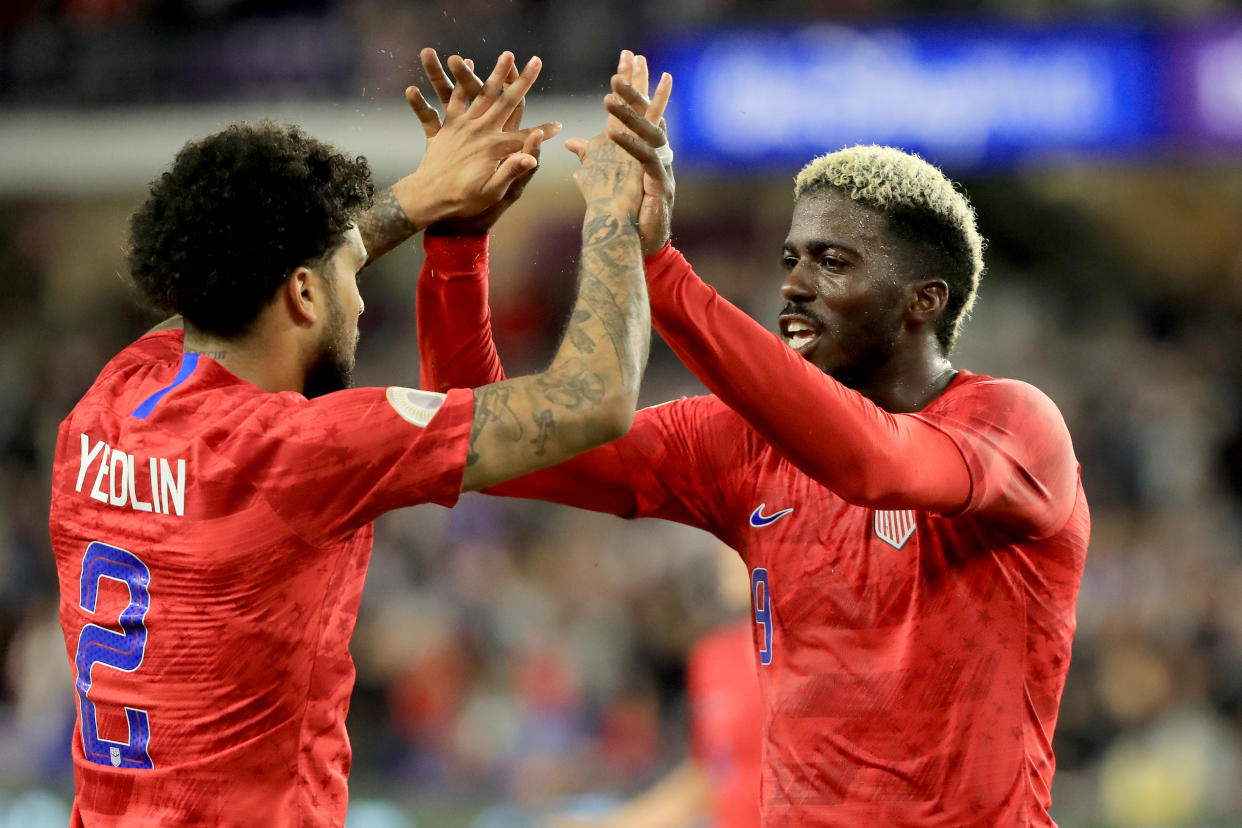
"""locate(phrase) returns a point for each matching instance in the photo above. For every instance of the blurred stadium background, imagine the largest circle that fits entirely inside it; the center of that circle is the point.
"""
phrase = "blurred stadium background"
(512, 654)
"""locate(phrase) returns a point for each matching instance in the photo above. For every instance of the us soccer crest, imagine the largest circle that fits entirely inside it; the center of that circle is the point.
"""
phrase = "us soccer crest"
(894, 527)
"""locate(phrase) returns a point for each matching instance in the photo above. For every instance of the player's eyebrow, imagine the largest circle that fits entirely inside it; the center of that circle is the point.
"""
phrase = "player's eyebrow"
(820, 245)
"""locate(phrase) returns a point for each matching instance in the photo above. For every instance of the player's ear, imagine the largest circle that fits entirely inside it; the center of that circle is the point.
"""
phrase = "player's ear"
(928, 300)
(300, 293)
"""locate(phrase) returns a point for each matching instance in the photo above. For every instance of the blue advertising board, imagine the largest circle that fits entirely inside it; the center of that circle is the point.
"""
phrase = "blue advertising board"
(961, 95)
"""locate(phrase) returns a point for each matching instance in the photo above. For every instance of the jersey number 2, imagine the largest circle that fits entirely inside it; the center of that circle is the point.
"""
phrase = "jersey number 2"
(762, 602)
(119, 650)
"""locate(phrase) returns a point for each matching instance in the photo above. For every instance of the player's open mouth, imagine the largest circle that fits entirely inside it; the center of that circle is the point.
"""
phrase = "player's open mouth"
(799, 333)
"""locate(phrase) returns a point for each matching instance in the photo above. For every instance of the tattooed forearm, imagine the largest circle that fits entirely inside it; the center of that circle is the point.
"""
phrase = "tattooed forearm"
(596, 295)
(587, 396)
(578, 337)
(492, 413)
(572, 386)
(385, 225)
(600, 230)
(546, 424)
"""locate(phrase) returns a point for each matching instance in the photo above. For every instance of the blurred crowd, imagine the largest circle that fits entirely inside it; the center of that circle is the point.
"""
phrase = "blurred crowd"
(513, 652)
(120, 52)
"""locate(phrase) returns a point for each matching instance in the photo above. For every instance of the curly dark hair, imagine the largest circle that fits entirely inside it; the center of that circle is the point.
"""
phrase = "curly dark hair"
(237, 212)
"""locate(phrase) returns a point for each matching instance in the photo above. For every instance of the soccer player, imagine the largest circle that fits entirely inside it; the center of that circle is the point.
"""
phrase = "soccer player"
(915, 533)
(213, 491)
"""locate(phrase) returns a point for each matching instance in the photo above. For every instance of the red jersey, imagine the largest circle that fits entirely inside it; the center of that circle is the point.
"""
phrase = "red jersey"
(726, 723)
(914, 576)
(211, 540)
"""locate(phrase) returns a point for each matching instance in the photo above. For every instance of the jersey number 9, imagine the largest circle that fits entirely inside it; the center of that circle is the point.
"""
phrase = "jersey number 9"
(763, 612)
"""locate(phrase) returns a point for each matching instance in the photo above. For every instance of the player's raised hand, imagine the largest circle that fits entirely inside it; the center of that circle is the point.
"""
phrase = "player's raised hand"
(645, 137)
(608, 178)
(463, 79)
(472, 159)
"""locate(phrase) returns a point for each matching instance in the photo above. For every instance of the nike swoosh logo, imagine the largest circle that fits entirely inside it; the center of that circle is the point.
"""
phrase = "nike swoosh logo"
(759, 520)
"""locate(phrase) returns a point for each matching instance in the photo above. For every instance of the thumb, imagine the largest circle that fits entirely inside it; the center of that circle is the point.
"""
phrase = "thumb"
(507, 171)
(578, 146)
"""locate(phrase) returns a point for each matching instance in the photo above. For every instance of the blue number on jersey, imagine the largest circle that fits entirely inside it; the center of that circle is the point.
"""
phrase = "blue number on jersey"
(763, 612)
(120, 651)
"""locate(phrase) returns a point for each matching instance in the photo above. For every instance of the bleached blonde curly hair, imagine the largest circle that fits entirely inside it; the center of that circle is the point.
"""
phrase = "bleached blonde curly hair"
(922, 206)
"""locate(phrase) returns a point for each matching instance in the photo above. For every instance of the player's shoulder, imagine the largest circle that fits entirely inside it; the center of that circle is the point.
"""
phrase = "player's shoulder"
(150, 352)
(154, 347)
(996, 396)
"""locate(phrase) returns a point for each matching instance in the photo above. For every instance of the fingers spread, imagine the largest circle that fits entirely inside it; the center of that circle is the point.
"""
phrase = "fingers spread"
(435, 73)
(641, 151)
(630, 94)
(625, 114)
(514, 95)
(659, 101)
(640, 77)
(492, 86)
(427, 116)
(463, 74)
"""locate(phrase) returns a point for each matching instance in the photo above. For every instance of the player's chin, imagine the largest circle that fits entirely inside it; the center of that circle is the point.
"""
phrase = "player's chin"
(823, 356)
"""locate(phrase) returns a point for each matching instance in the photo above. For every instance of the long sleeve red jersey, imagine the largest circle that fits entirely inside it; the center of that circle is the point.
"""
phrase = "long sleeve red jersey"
(211, 541)
(913, 576)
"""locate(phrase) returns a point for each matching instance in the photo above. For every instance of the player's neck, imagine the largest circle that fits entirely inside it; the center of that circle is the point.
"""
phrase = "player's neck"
(255, 357)
(910, 380)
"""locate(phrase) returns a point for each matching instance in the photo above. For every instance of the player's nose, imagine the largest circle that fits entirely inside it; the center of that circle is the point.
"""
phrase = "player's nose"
(796, 287)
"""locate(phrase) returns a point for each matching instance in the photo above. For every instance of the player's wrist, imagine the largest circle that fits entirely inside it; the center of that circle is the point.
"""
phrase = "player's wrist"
(615, 206)
(419, 199)
(657, 263)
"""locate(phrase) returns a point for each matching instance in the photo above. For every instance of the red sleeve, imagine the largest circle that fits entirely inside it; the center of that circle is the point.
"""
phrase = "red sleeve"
(1017, 447)
(669, 465)
(835, 435)
(456, 351)
(455, 344)
(332, 464)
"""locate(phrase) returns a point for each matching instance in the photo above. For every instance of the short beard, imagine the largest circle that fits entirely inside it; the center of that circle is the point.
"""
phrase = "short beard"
(879, 342)
(333, 369)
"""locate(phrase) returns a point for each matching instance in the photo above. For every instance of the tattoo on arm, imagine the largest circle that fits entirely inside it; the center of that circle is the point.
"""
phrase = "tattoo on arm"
(579, 338)
(385, 225)
(608, 253)
(546, 424)
(529, 422)
(600, 230)
(492, 412)
(572, 386)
